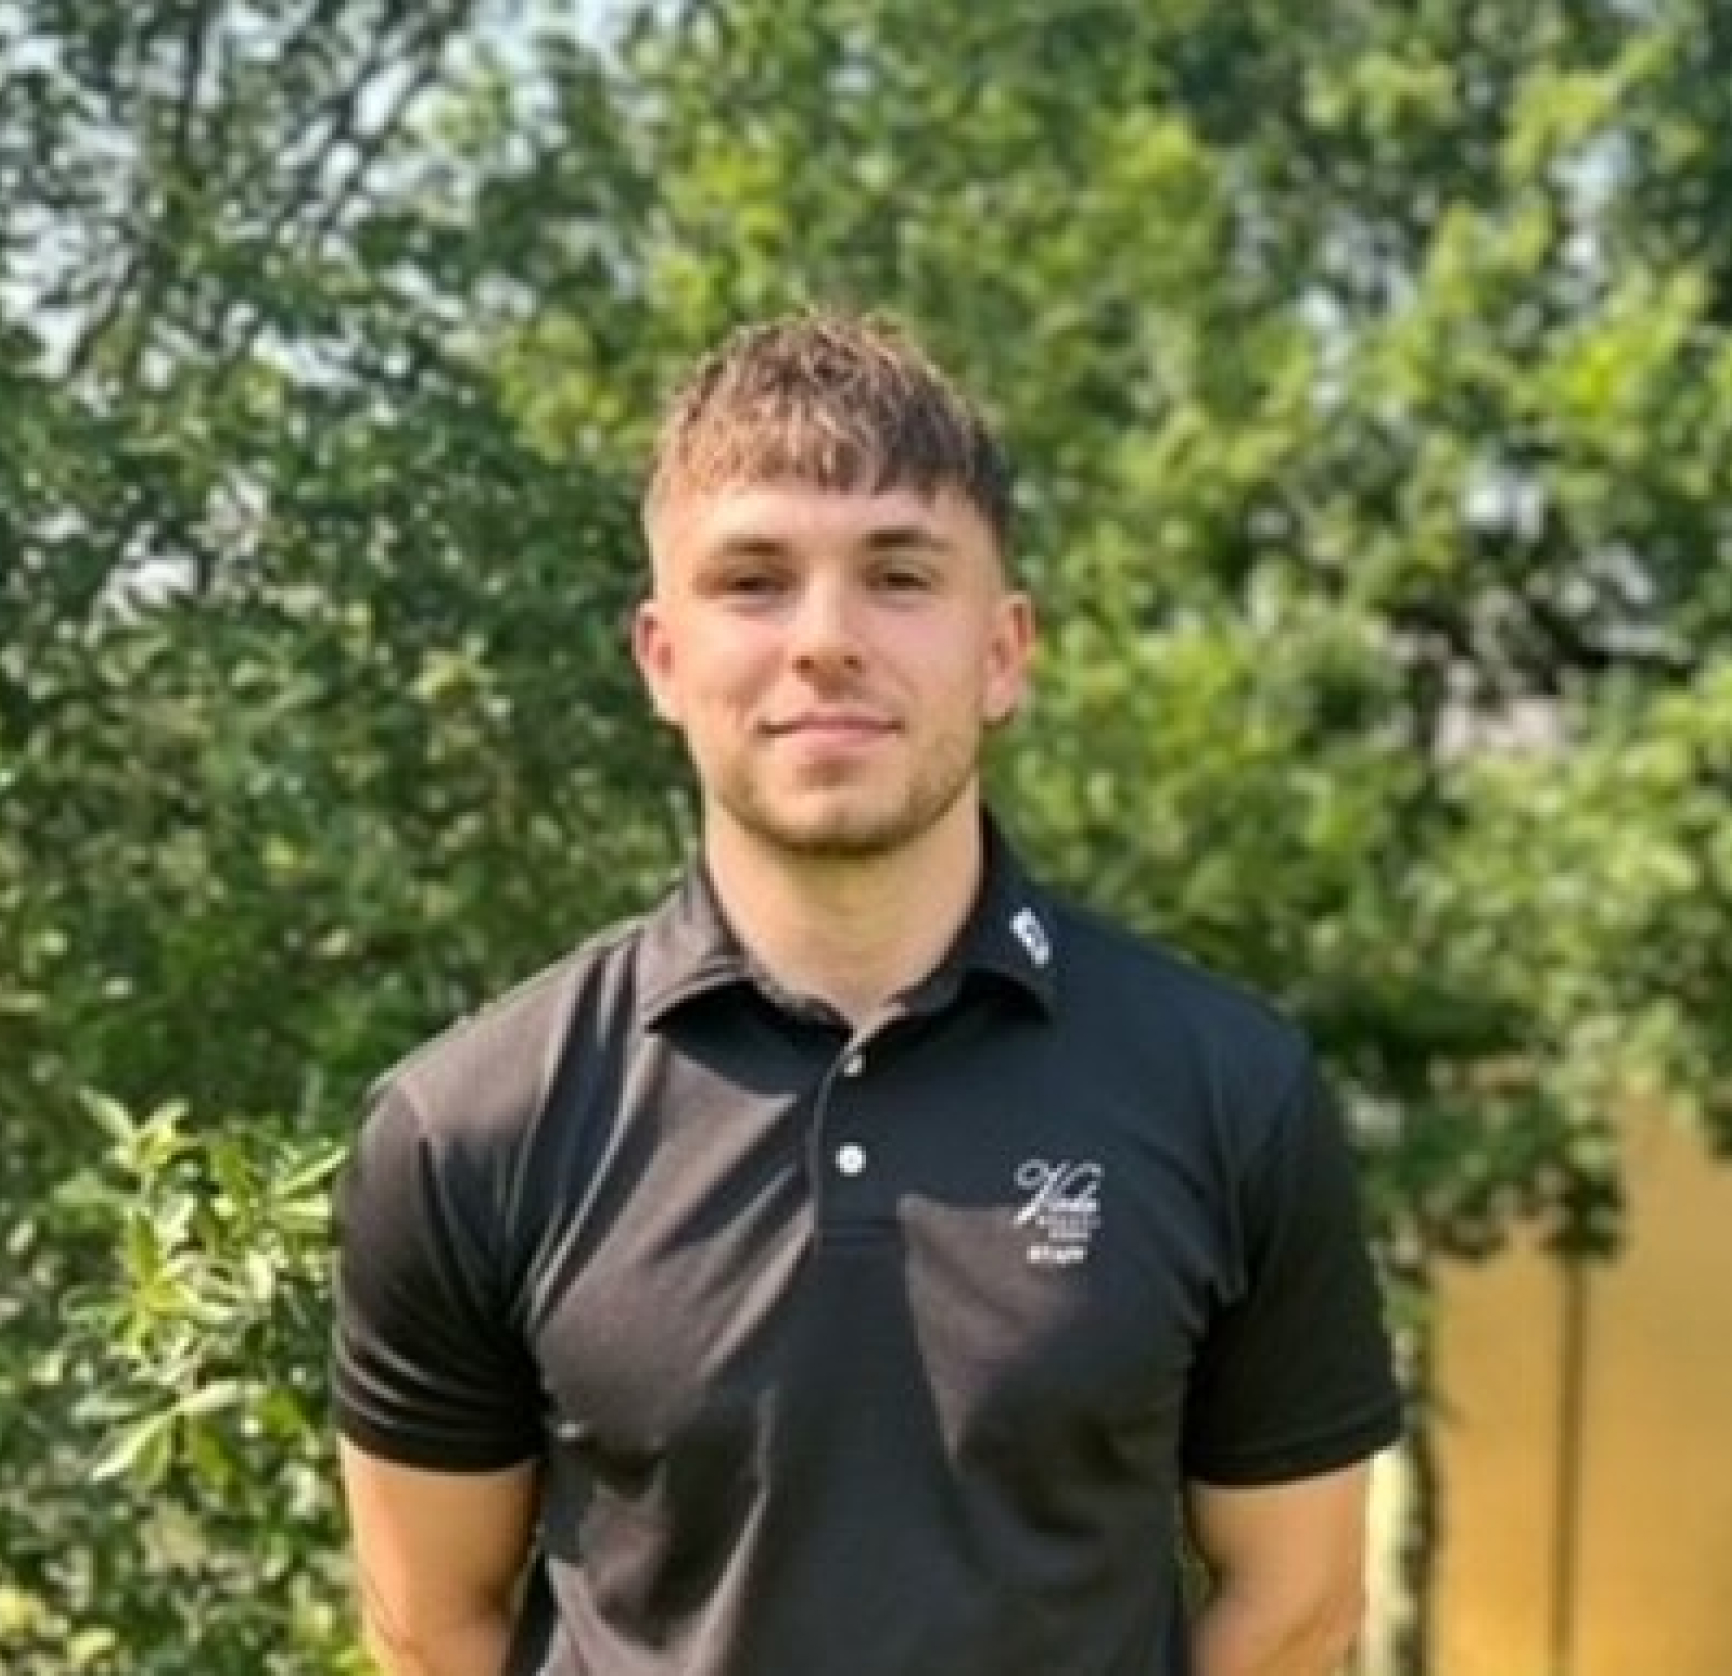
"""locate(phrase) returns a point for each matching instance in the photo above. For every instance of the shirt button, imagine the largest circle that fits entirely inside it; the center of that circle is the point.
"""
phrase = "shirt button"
(850, 1159)
(854, 1064)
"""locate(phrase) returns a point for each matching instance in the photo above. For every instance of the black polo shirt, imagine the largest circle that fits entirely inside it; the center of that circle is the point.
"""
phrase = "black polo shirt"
(879, 1353)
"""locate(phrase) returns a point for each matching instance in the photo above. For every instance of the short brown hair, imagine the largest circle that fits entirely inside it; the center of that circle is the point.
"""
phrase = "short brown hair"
(836, 400)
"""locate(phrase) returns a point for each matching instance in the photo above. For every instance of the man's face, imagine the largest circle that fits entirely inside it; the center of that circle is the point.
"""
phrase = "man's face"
(832, 658)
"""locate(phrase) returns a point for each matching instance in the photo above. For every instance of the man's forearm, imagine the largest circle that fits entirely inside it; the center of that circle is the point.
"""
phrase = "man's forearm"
(1243, 1635)
(477, 1647)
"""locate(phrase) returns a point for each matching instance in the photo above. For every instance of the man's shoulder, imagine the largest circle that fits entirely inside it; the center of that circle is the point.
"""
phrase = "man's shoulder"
(1116, 972)
(499, 1062)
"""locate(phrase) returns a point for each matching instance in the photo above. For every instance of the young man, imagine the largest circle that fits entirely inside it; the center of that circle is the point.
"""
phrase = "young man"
(854, 1267)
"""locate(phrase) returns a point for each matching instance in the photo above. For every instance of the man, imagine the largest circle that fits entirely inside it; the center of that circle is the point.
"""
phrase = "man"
(853, 1267)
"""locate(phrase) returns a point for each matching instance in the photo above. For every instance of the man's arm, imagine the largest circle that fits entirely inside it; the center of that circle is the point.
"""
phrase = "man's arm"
(1286, 1565)
(440, 1556)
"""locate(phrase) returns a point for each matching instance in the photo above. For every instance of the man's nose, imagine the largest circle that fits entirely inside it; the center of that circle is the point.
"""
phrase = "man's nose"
(825, 630)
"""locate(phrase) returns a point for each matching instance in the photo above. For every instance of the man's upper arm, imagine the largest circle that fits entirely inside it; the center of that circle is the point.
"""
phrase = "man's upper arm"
(1294, 1376)
(428, 1365)
(434, 1400)
(440, 1554)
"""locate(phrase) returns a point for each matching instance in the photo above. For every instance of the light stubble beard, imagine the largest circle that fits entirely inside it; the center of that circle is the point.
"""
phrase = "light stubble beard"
(947, 773)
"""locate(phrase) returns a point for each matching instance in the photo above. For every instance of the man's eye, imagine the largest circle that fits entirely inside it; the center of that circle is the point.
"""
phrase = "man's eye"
(753, 584)
(904, 579)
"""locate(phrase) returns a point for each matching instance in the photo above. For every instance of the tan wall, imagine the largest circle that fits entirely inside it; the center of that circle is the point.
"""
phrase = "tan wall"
(1654, 1555)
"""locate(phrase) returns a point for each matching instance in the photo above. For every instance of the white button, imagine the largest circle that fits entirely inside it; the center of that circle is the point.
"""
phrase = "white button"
(850, 1159)
(854, 1064)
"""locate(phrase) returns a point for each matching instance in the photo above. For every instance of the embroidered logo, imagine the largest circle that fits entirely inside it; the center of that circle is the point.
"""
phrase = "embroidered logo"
(1026, 926)
(1063, 1208)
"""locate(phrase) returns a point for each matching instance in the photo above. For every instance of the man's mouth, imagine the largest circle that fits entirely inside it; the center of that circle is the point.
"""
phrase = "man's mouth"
(831, 724)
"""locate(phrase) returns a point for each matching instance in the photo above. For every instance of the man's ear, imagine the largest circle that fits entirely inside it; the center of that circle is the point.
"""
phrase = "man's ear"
(1008, 658)
(652, 650)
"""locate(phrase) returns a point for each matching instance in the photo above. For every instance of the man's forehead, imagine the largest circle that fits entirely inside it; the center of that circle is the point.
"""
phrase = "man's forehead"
(751, 512)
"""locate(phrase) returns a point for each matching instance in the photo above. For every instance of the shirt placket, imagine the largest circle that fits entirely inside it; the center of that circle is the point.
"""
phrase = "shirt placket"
(848, 1160)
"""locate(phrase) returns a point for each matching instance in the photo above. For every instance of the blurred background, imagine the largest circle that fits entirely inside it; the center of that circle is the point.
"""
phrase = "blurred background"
(1369, 367)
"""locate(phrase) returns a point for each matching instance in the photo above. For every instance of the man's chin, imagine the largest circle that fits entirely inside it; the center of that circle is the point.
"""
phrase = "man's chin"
(838, 840)
(835, 834)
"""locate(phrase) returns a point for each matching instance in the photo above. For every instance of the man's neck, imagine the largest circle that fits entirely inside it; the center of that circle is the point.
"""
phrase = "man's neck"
(850, 932)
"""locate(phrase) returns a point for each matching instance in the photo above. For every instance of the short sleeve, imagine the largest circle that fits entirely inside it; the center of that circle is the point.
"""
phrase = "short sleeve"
(426, 1367)
(1294, 1377)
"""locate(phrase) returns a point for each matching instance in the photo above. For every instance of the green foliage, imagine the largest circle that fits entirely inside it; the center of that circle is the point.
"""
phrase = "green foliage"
(1372, 380)
(195, 1384)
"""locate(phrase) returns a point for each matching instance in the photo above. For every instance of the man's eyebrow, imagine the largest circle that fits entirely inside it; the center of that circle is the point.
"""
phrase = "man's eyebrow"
(748, 546)
(885, 538)
(902, 537)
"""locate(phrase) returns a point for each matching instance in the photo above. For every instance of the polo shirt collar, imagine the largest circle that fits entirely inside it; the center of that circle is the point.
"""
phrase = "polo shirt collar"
(688, 949)
(1010, 933)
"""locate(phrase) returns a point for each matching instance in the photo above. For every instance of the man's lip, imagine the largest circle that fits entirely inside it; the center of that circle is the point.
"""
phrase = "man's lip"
(824, 722)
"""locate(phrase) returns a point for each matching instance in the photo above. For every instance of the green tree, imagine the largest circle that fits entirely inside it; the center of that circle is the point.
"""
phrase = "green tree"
(311, 703)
